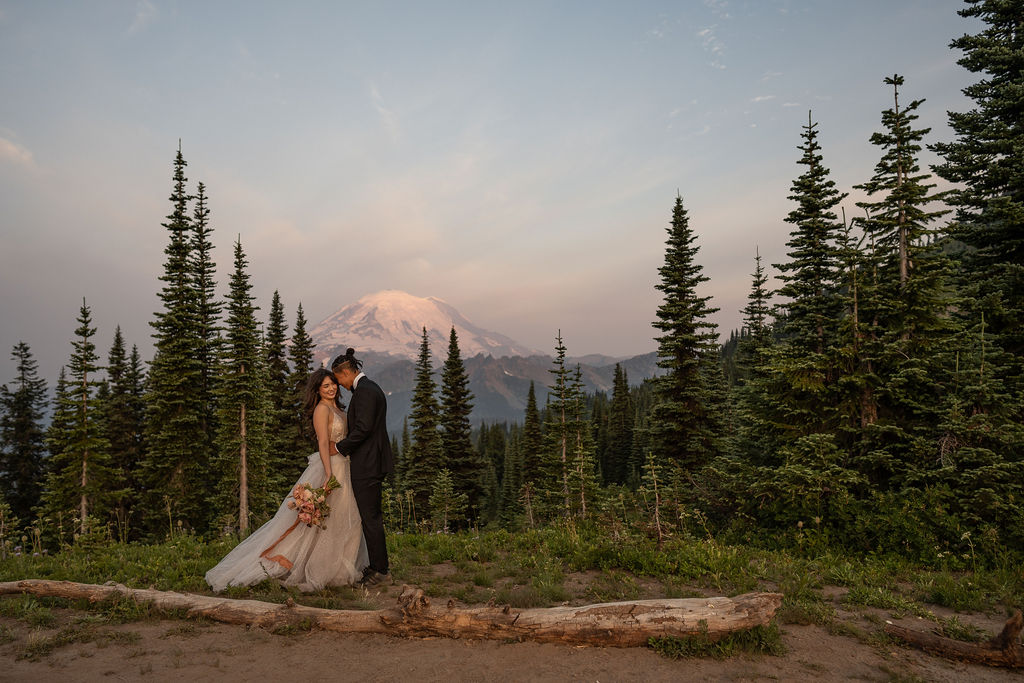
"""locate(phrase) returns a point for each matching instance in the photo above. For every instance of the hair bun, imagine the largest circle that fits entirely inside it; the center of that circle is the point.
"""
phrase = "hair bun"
(350, 352)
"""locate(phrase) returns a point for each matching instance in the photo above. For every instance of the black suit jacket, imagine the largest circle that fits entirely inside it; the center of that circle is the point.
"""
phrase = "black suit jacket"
(367, 443)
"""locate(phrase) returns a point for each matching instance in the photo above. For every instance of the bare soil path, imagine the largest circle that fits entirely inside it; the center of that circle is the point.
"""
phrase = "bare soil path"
(172, 650)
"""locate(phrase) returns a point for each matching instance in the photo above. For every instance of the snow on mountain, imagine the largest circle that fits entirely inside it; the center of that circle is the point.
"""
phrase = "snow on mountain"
(391, 322)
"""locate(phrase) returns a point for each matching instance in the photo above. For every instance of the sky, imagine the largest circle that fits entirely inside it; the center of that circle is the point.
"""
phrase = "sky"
(518, 160)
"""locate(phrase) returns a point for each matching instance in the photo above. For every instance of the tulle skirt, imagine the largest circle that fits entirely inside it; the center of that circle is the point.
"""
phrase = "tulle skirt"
(306, 556)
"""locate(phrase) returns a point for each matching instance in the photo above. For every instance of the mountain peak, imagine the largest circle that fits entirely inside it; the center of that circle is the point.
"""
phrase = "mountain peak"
(391, 322)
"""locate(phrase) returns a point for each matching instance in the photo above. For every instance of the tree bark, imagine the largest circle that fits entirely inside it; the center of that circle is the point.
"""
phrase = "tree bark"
(1002, 650)
(614, 624)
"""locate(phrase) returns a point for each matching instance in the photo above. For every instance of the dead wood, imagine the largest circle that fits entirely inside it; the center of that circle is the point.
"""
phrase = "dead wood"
(614, 624)
(1001, 650)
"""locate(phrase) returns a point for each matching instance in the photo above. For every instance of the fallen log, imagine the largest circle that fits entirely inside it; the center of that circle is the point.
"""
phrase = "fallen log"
(1001, 650)
(614, 624)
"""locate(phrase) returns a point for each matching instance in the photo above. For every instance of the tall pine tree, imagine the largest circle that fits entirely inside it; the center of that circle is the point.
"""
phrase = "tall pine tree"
(684, 425)
(300, 352)
(207, 316)
(803, 371)
(81, 482)
(553, 486)
(282, 456)
(123, 413)
(465, 464)
(619, 466)
(175, 473)
(242, 406)
(22, 439)
(906, 302)
(426, 458)
(987, 162)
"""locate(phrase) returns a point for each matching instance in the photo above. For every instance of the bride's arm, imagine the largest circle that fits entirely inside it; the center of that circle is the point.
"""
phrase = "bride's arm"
(322, 427)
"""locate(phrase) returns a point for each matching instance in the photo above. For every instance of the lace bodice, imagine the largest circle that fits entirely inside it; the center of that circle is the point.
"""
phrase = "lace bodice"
(339, 425)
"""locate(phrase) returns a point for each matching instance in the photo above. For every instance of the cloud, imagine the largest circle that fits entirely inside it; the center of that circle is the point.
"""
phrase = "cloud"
(145, 14)
(790, 104)
(388, 117)
(771, 74)
(16, 154)
(763, 98)
(712, 45)
(720, 8)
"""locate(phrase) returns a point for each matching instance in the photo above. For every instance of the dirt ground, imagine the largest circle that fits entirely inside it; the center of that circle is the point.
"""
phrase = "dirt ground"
(173, 650)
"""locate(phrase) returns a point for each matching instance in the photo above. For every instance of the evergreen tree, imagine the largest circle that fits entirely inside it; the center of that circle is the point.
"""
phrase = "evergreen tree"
(283, 458)
(447, 504)
(123, 412)
(175, 473)
(401, 457)
(987, 162)
(553, 486)
(81, 481)
(465, 464)
(426, 458)
(22, 439)
(599, 408)
(58, 441)
(684, 426)
(757, 329)
(907, 303)
(242, 406)
(532, 442)
(510, 506)
(207, 316)
(301, 356)
(749, 439)
(619, 464)
(803, 371)
(583, 479)
(491, 449)
(811, 278)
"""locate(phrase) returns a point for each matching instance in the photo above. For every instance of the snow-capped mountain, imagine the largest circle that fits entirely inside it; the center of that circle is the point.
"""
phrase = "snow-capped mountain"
(391, 322)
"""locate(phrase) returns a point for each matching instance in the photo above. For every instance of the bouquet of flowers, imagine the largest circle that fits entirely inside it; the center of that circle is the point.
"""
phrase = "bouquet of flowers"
(311, 503)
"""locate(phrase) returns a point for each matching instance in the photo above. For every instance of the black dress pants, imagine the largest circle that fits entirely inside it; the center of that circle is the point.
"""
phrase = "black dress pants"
(367, 493)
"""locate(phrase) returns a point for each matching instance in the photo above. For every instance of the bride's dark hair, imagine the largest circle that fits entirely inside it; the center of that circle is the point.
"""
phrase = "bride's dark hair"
(348, 358)
(312, 395)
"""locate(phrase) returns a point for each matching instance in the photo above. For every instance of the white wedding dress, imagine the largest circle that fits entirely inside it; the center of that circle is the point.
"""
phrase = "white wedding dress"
(300, 555)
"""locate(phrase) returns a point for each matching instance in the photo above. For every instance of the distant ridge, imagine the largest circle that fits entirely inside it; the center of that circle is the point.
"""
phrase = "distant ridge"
(385, 329)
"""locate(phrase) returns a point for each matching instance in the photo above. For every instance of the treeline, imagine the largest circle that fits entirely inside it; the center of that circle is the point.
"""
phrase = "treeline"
(874, 401)
(205, 439)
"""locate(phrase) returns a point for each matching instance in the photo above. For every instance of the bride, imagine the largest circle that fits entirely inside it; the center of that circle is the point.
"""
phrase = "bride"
(298, 555)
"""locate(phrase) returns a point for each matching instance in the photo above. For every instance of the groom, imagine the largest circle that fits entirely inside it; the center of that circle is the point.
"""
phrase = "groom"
(369, 448)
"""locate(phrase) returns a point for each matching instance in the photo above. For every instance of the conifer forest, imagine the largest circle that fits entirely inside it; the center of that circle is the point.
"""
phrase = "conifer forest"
(872, 404)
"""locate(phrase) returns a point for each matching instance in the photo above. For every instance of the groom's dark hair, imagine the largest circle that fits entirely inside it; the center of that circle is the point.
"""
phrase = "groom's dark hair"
(347, 358)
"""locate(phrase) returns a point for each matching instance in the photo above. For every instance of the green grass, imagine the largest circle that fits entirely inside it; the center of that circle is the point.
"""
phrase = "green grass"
(530, 569)
(761, 640)
(39, 645)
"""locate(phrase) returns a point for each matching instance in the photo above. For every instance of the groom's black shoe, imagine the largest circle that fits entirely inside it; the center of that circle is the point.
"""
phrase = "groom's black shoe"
(372, 577)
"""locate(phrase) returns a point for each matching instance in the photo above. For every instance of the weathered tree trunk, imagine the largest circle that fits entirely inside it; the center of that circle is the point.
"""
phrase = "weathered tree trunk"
(1002, 650)
(243, 477)
(614, 624)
